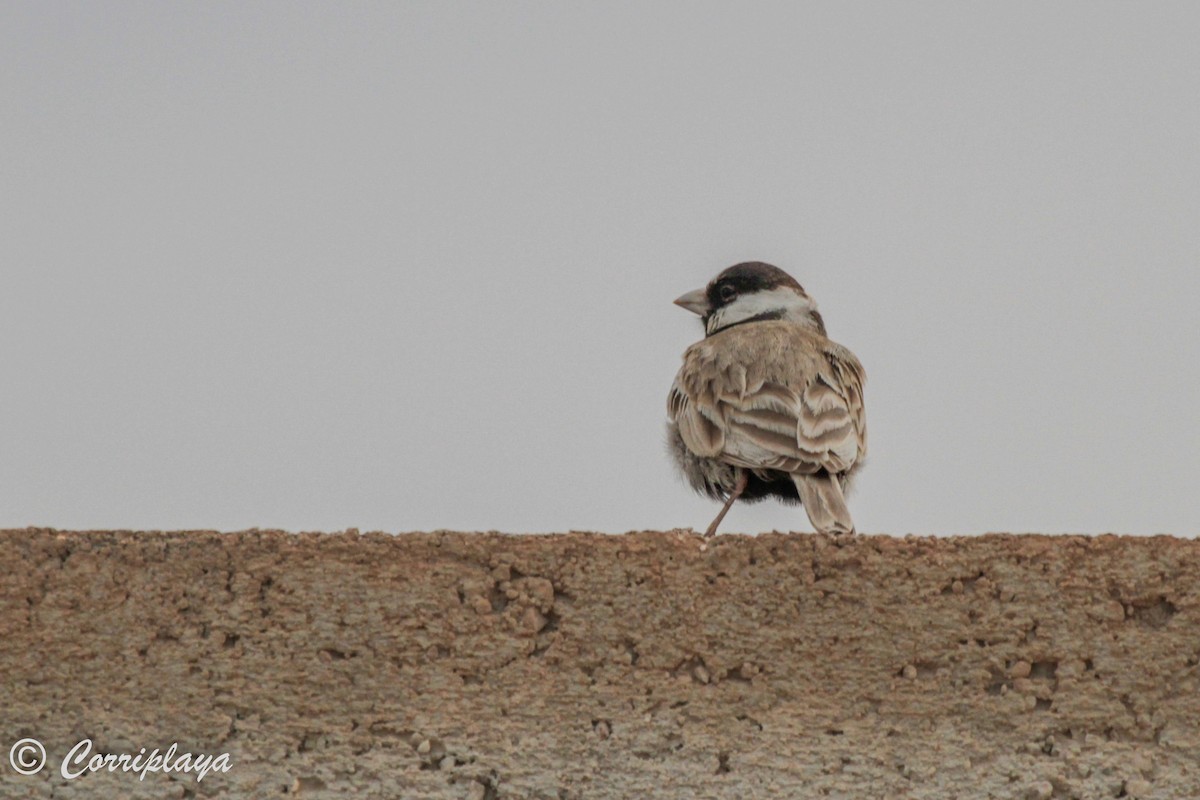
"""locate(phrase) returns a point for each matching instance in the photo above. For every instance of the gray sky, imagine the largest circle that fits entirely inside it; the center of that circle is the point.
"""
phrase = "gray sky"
(408, 266)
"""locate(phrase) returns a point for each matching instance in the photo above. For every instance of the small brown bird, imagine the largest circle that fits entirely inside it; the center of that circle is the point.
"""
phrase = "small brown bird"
(766, 405)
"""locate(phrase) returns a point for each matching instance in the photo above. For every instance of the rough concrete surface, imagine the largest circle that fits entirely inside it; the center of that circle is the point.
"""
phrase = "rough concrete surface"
(489, 666)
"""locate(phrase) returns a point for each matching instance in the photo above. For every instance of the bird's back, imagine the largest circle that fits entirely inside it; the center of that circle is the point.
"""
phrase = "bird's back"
(772, 394)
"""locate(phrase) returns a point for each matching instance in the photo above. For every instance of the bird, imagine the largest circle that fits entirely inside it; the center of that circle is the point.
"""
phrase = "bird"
(766, 404)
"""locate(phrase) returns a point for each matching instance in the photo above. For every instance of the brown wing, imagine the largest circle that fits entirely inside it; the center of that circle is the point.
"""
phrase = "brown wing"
(783, 398)
(851, 377)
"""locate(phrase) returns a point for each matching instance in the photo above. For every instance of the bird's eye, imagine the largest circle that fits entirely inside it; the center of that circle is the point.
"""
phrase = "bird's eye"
(727, 293)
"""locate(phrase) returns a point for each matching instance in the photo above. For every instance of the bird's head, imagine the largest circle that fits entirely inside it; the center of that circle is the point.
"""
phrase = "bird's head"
(752, 292)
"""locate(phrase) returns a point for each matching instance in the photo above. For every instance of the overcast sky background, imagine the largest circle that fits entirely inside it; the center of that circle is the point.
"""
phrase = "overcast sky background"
(407, 266)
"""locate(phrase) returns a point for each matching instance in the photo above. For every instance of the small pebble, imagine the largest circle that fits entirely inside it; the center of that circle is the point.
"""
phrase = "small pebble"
(541, 592)
(700, 672)
(1142, 762)
(1138, 788)
(1109, 610)
(1070, 668)
(1042, 790)
(1020, 669)
(909, 671)
(532, 620)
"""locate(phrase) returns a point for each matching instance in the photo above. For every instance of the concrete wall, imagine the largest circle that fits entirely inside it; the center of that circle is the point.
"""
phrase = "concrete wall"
(483, 666)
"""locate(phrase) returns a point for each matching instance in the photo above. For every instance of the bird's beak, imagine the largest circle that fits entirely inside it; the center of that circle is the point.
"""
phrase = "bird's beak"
(696, 302)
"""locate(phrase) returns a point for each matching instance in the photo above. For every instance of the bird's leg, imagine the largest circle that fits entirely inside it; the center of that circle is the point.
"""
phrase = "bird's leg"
(738, 488)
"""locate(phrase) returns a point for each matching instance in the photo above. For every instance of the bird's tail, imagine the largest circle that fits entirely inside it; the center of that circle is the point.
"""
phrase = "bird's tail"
(822, 497)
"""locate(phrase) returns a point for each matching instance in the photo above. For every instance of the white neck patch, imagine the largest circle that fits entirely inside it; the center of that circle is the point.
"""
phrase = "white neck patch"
(785, 301)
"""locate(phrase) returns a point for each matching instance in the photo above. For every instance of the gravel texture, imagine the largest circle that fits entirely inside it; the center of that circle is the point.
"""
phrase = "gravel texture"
(488, 666)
